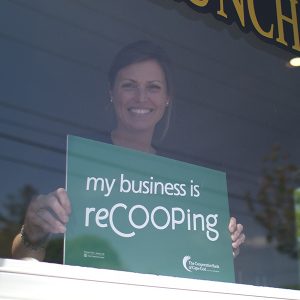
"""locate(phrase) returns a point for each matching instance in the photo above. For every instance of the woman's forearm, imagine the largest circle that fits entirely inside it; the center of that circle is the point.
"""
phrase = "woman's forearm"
(20, 251)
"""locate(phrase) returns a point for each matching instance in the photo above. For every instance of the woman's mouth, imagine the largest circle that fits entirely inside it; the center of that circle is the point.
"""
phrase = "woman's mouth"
(140, 111)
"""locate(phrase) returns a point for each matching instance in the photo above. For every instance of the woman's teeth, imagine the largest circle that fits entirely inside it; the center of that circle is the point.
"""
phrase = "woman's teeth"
(140, 111)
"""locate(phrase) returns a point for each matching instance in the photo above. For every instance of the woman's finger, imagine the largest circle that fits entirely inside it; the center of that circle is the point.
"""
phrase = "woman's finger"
(49, 223)
(235, 235)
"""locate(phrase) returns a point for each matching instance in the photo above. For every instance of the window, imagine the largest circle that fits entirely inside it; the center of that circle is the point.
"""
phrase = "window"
(236, 109)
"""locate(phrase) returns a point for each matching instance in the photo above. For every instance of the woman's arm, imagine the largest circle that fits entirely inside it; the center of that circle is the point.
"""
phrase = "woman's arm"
(46, 214)
(20, 251)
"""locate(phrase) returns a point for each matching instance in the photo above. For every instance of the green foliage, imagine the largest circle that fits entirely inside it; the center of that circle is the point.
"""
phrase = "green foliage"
(274, 206)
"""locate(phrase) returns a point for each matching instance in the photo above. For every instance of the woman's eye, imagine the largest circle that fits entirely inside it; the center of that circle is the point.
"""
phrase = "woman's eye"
(154, 88)
(128, 85)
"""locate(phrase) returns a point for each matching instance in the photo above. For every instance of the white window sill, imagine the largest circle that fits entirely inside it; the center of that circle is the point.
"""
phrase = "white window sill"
(29, 279)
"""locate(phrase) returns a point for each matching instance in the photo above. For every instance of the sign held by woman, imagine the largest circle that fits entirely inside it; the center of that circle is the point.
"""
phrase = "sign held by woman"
(144, 213)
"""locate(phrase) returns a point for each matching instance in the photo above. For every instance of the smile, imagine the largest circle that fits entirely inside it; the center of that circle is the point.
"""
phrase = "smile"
(140, 111)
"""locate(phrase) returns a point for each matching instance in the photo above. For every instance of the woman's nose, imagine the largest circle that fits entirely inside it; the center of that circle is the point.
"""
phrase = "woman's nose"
(142, 95)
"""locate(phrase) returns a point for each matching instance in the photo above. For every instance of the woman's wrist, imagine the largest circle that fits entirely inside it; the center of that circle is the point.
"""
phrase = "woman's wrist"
(39, 244)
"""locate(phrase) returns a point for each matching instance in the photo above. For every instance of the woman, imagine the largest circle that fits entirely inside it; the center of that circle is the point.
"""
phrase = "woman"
(141, 93)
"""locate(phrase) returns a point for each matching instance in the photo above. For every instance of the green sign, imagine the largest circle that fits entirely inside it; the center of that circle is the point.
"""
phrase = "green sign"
(139, 212)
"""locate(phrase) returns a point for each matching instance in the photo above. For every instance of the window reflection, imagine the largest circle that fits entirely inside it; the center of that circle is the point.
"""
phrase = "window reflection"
(236, 116)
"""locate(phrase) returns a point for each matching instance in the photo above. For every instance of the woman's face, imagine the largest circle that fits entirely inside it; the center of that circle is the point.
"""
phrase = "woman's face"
(140, 96)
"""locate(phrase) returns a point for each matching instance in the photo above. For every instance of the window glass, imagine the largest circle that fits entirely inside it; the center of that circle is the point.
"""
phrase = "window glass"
(235, 109)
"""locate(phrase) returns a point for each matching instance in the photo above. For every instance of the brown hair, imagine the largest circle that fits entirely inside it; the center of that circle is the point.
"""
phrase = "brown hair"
(141, 51)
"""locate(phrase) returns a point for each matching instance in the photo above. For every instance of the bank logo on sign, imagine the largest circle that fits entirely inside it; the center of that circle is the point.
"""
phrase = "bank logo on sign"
(196, 266)
(185, 262)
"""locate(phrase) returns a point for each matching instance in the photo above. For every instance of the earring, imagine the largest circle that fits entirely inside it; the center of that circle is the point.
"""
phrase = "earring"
(111, 99)
(167, 103)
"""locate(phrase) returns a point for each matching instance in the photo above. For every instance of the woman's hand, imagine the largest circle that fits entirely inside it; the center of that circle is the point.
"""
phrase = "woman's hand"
(237, 235)
(47, 214)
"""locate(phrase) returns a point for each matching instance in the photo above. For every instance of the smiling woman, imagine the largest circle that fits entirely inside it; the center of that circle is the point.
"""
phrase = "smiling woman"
(140, 98)
(140, 89)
